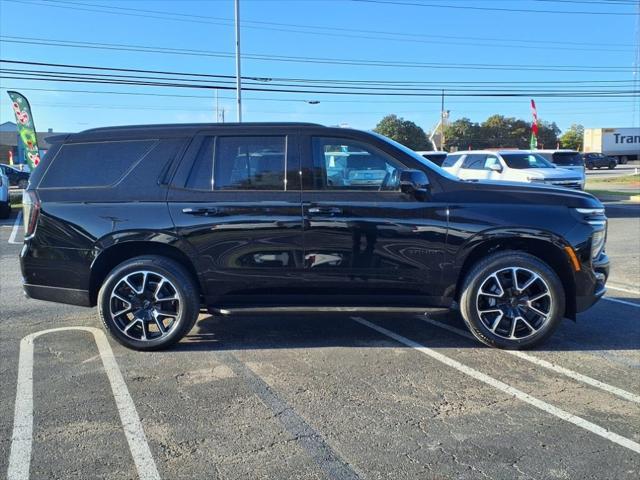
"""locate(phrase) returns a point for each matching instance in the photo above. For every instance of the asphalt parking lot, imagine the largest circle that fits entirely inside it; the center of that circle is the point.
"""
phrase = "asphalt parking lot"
(339, 396)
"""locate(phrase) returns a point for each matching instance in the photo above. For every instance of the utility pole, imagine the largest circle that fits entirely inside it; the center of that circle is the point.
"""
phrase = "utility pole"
(217, 108)
(442, 120)
(238, 78)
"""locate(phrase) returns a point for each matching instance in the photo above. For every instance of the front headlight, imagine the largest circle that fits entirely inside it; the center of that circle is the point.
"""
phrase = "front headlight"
(597, 243)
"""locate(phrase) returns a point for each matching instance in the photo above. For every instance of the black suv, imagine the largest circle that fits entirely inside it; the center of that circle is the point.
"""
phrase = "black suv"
(598, 160)
(155, 223)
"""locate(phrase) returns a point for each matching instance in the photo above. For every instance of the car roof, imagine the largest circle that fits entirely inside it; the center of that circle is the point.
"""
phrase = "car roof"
(554, 150)
(163, 130)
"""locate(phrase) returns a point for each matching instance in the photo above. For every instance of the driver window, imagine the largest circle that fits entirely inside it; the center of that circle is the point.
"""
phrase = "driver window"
(344, 164)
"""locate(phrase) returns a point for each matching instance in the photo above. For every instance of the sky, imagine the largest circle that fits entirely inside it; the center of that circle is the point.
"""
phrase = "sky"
(461, 46)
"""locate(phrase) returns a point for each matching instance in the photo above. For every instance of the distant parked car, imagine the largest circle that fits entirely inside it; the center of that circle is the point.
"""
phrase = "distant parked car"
(599, 160)
(509, 165)
(5, 205)
(563, 158)
(435, 156)
(17, 178)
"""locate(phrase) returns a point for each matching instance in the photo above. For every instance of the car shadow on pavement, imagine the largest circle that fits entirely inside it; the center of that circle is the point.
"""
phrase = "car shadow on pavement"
(593, 331)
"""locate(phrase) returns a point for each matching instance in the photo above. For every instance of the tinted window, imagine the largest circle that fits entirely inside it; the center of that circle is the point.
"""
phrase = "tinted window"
(451, 160)
(567, 159)
(94, 164)
(525, 160)
(474, 162)
(352, 165)
(201, 175)
(250, 163)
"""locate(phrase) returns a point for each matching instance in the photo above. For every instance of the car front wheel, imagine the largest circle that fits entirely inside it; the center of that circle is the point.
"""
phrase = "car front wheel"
(148, 303)
(512, 300)
(612, 165)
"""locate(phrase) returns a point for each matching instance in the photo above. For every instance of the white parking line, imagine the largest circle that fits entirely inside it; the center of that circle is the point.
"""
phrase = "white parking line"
(623, 302)
(508, 389)
(22, 438)
(620, 289)
(543, 363)
(14, 232)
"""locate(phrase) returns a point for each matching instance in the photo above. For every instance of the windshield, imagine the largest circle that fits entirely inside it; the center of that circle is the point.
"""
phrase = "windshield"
(417, 156)
(567, 159)
(525, 160)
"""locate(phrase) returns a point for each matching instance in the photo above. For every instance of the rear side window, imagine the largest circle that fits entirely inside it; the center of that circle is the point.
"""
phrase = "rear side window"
(249, 163)
(474, 162)
(239, 163)
(451, 160)
(99, 164)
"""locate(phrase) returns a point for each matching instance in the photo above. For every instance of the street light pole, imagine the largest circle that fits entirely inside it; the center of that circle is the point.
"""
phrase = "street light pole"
(238, 78)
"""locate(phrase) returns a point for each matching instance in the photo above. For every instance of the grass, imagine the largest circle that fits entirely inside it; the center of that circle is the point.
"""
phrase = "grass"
(621, 180)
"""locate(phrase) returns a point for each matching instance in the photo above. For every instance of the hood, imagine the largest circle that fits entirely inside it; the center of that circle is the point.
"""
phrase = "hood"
(488, 191)
(551, 173)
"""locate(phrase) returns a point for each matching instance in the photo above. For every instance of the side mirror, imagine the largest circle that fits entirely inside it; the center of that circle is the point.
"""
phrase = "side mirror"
(414, 182)
(495, 167)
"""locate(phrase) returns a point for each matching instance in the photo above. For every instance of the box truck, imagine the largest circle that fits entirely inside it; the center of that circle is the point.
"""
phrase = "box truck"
(621, 143)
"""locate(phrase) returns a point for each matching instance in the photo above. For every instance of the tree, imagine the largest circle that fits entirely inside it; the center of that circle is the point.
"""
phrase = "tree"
(462, 134)
(573, 137)
(403, 131)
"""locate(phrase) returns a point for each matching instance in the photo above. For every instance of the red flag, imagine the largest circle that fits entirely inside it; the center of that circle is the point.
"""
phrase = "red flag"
(534, 126)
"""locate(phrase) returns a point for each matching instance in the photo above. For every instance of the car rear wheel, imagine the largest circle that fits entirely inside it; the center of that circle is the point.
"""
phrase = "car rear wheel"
(589, 166)
(512, 300)
(148, 303)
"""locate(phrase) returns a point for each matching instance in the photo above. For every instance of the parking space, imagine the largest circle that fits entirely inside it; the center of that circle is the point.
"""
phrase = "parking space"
(342, 396)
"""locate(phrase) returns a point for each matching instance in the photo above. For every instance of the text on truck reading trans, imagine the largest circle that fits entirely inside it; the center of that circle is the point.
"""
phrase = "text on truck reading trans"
(626, 138)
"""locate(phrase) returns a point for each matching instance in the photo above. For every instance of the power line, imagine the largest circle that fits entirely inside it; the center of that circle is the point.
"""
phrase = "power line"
(396, 92)
(493, 9)
(322, 30)
(439, 84)
(298, 100)
(407, 63)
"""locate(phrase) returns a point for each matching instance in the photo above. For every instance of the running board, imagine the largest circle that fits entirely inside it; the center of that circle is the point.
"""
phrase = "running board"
(306, 309)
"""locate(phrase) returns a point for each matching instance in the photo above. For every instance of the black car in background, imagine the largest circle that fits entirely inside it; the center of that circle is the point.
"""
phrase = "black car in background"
(154, 223)
(17, 178)
(598, 160)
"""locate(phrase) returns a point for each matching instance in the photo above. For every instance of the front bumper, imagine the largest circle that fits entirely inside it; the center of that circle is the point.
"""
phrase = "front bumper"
(591, 284)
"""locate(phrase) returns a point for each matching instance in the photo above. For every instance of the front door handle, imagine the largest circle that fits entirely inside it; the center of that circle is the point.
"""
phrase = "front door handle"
(200, 211)
(325, 210)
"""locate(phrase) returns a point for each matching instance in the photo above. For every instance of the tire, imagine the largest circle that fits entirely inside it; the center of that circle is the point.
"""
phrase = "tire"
(148, 284)
(589, 166)
(535, 328)
(5, 210)
(612, 165)
(22, 184)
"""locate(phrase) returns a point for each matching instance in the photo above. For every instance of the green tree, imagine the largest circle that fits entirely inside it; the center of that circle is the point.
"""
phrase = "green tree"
(573, 137)
(403, 131)
(463, 134)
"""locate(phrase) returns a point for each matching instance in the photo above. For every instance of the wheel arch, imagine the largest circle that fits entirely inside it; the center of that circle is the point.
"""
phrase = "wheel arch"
(548, 248)
(117, 253)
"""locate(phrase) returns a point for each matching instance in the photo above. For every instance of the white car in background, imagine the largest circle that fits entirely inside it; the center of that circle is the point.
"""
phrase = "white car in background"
(5, 205)
(510, 166)
(567, 159)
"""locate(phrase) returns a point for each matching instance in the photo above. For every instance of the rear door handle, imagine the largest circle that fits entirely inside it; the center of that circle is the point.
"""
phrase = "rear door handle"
(325, 210)
(200, 211)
